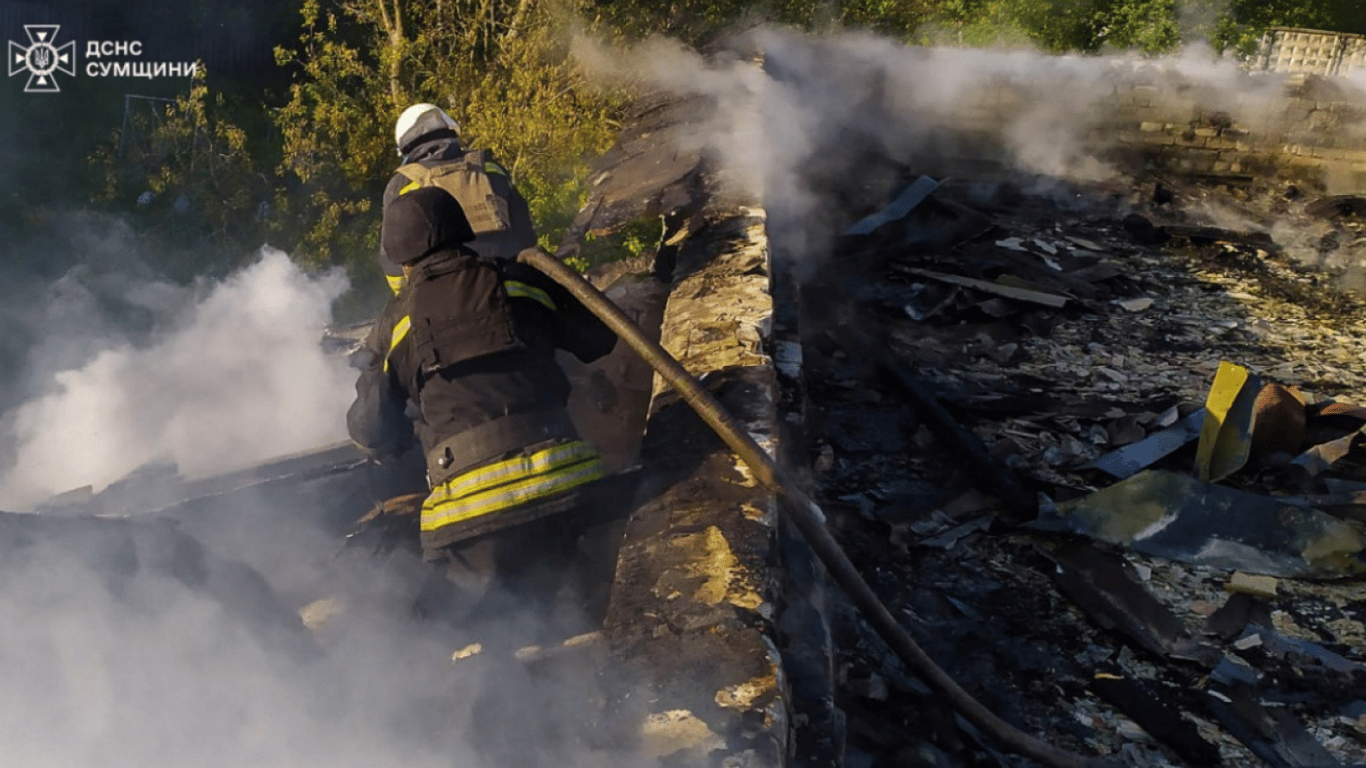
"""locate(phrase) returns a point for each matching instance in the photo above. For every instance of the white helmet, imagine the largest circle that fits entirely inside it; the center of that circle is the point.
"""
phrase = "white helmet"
(418, 121)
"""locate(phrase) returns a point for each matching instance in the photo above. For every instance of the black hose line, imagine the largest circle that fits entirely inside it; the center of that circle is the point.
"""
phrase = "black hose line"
(808, 518)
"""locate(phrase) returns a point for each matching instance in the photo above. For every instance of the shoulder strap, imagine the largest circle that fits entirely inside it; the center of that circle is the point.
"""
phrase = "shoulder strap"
(416, 172)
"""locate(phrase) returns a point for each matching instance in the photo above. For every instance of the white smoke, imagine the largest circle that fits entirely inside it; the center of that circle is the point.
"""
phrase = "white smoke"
(1198, 19)
(784, 127)
(105, 666)
(128, 644)
(241, 379)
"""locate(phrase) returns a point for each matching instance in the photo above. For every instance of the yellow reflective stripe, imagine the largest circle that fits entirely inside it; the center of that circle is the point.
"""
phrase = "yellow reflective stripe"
(493, 479)
(400, 330)
(492, 167)
(539, 463)
(396, 282)
(525, 291)
(409, 187)
(441, 513)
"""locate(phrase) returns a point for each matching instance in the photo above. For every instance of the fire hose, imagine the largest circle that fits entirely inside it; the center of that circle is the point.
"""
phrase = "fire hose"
(807, 517)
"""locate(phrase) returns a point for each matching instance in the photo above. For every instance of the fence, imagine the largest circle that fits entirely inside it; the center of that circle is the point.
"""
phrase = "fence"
(1310, 51)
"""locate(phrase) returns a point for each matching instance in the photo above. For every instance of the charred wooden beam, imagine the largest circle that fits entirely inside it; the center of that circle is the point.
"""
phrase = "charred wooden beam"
(996, 478)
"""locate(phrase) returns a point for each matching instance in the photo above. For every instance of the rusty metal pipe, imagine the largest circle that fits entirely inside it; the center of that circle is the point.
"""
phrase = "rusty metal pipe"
(807, 516)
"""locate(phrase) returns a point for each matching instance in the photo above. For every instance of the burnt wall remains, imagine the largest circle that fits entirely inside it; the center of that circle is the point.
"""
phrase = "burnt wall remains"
(1300, 128)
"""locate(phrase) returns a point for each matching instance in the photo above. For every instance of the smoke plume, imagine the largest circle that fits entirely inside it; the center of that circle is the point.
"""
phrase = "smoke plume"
(238, 377)
(793, 112)
(149, 643)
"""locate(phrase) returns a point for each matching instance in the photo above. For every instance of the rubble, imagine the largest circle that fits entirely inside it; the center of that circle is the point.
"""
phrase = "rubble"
(975, 354)
(1201, 621)
(1124, 462)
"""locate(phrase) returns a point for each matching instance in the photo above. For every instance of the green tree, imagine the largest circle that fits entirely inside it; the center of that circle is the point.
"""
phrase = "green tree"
(197, 161)
(953, 22)
(1091, 26)
(700, 23)
(695, 22)
(1149, 26)
(895, 18)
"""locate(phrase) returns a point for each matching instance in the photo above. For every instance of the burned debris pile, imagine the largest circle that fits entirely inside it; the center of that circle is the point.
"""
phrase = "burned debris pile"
(1100, 445)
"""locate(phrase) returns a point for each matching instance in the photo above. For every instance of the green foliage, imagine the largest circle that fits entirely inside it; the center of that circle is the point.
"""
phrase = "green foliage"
(974, 23)
(1149, 26)
(1092, 26)
(332, 142)
(635, 239)
(694, 22)
(700, 22)
(578, 263)
(894, 18)
(199, 166)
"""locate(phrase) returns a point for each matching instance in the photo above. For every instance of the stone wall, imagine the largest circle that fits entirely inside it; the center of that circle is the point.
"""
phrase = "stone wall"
(1314, 132)
(691, 621)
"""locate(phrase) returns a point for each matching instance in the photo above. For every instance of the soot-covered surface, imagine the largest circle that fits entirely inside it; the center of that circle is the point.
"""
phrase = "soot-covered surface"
(1128, 298)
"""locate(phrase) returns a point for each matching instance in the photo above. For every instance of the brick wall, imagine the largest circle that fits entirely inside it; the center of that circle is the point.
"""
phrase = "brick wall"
(1314, 132)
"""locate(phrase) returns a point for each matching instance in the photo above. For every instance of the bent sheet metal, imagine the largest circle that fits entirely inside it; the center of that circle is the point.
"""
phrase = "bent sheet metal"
(1226, 434)
(1175, 516)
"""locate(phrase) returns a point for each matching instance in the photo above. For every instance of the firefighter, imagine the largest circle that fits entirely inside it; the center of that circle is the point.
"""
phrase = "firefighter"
(428, 140)
(469, 342)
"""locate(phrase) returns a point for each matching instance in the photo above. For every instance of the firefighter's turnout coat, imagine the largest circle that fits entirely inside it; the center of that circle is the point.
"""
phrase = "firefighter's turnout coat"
(470, 342)
(497, 212)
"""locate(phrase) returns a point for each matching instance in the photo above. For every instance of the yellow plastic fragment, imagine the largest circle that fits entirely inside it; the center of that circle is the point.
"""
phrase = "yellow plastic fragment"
(1226, 437)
